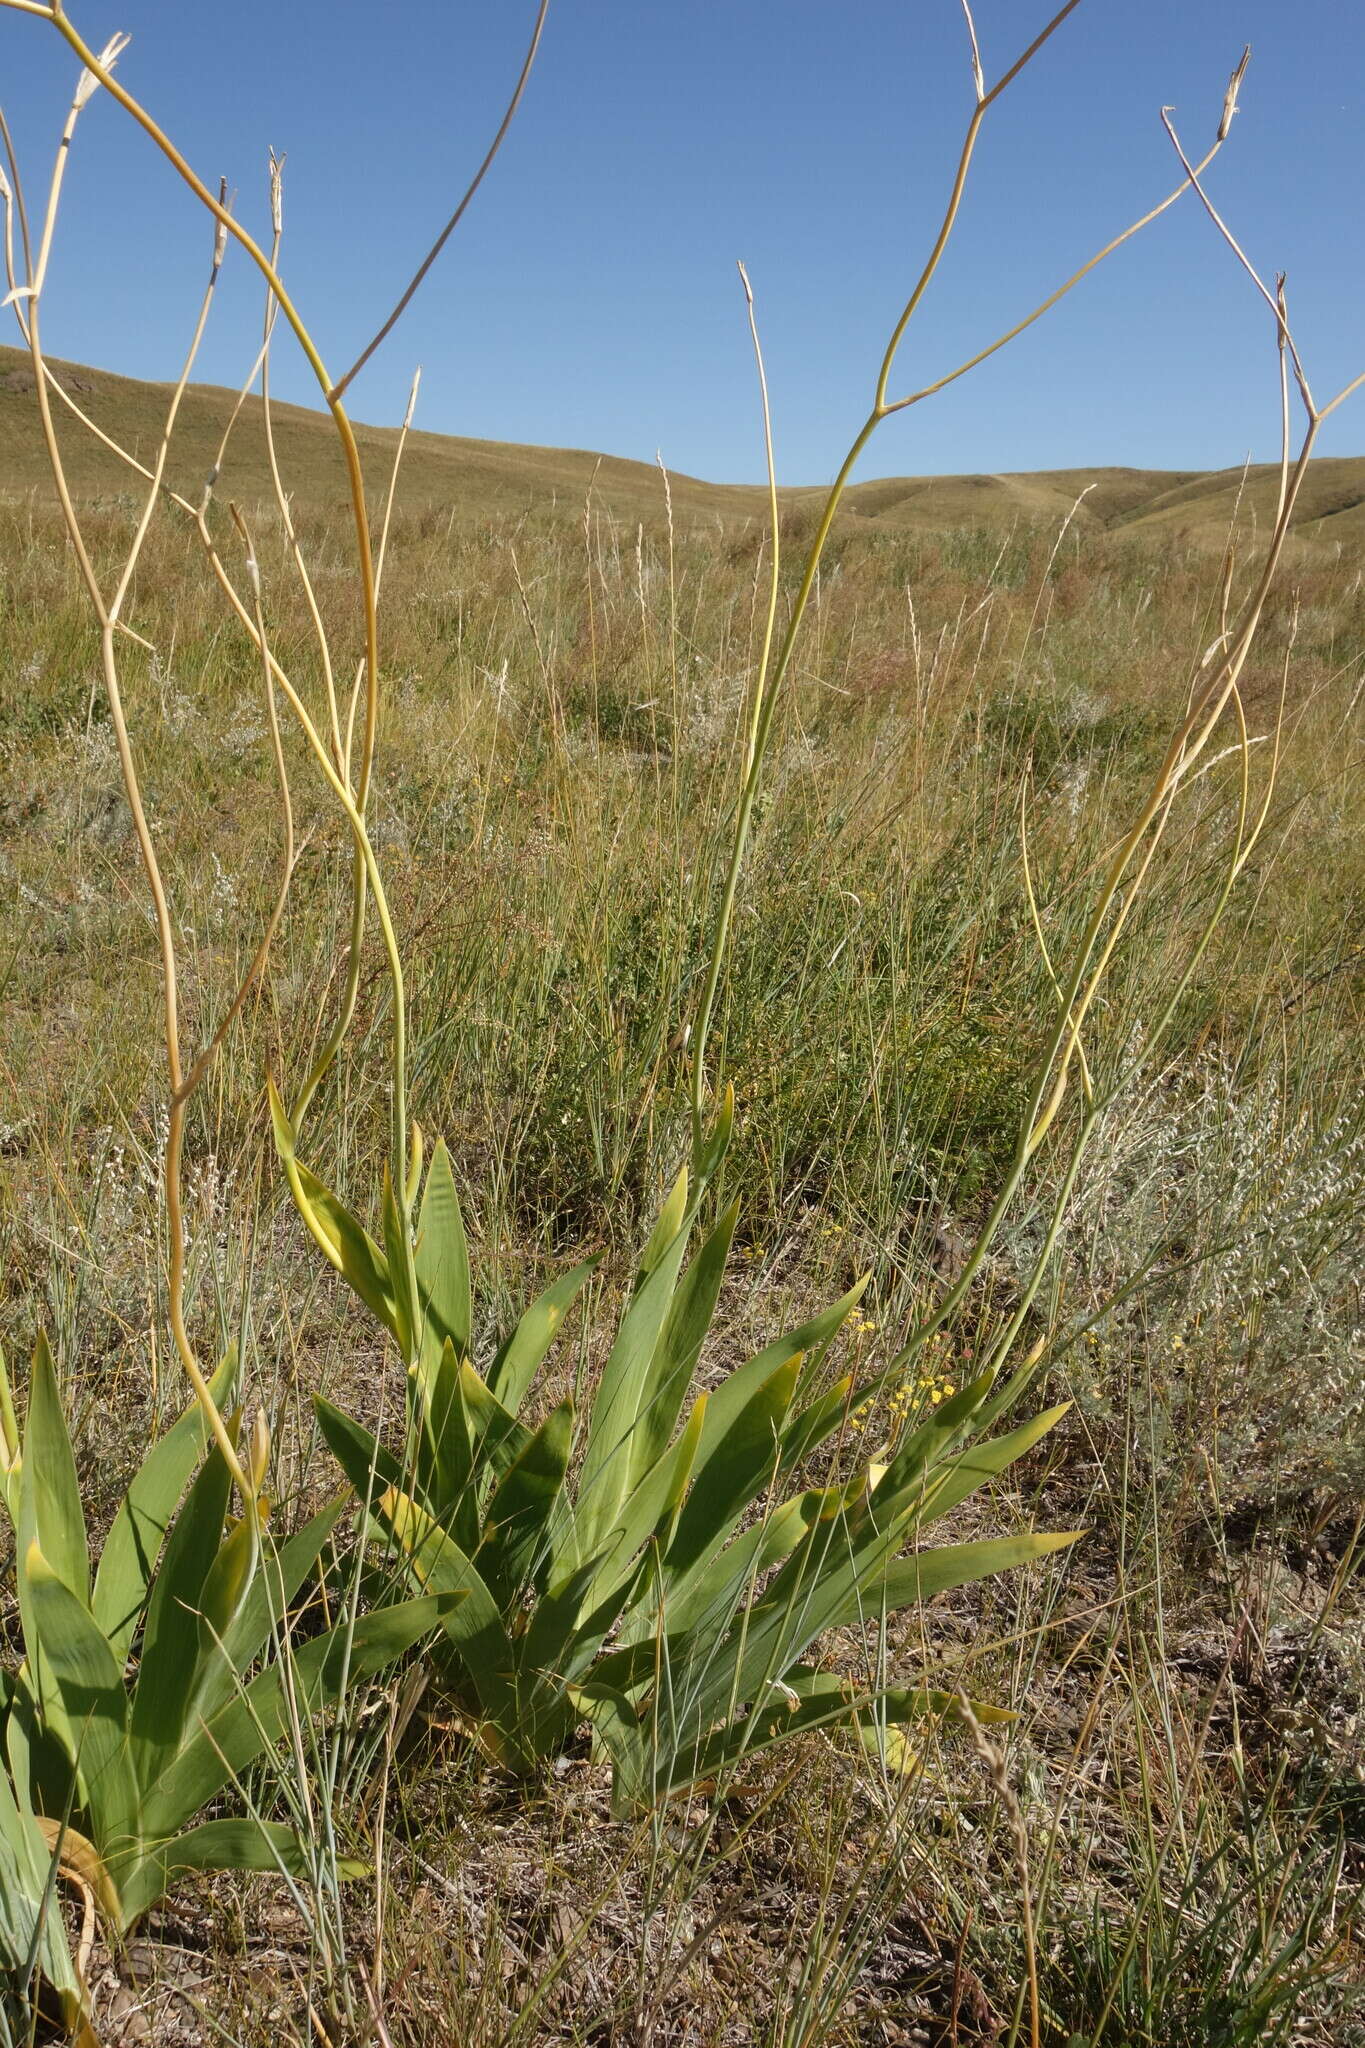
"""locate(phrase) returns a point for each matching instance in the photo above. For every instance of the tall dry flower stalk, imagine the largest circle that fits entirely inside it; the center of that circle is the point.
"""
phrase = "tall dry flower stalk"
(343, 755)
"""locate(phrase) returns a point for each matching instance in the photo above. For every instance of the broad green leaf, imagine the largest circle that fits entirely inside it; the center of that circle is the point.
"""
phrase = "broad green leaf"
(225, 1589)
(516, 1550)
(474, 1628)
(672, 1216)
(347, 1245)
(624, 1393)
(653, 1507)
(30, 1922)
(809, 1343)
(396, 1258)
(444, 1448)
(845, 1573)
(337, 1234)
(809, 1428)
(718, 1138)
(363, 1459)
(171, 1650)
(36, 1734)
(10, 1463)
(706, 1598)
(521, 1357)
(566, 1627)
(50, 1497)
(248, 1844)
(442, 1259)
(803, 1702)
(138, 1531)
(282, 1571)
(232, 1738)
(911, 1580)
(809, 1593)
(286, 1139)
(616, 1725)
(960, 1476)
(240, 1844)
(49, 1513)
(495, 1435)
(737, 1474)
(91, 1686)
(680, 1343)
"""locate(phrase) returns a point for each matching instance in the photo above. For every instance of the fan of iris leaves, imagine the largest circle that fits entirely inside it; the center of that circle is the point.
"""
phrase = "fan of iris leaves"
(151, 1680)
(645, 1559)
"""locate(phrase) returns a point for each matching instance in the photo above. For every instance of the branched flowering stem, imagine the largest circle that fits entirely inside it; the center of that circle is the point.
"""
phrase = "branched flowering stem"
(101, 71)
(106, 611)
(772, 679)
(350, 786)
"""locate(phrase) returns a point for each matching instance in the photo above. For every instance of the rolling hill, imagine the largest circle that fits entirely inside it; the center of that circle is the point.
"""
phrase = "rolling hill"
(487, 479)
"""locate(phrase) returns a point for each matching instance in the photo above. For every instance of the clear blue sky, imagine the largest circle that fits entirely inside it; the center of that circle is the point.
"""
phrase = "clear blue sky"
(591, 299)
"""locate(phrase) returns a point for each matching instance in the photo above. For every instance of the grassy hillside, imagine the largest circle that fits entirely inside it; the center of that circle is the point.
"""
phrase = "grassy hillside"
(556, 746)
(1171, 1831)
(489, 479)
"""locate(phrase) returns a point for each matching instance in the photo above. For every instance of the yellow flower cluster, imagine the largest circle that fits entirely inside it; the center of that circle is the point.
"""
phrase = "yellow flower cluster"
(919, 1390)
(916, 1392)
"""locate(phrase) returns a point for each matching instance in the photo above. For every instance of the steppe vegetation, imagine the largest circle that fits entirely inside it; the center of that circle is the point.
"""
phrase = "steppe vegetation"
(524, 1695)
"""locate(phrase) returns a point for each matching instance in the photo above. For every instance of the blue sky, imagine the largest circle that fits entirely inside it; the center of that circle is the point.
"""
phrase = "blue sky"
(591, 299)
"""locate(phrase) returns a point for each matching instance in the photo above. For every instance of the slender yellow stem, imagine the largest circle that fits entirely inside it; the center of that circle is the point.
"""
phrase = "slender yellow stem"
(456, 217)
(320, 636)
(345, 431)
(771, 689)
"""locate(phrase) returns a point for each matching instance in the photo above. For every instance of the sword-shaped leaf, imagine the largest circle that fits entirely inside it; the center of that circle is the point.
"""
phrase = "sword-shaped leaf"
(653, 1508)
(679, 1347)
(31, 1930)
(138, 1531)
(705, 1598)
(718, 1139)
(802, 1703)
(50, 1512)
(91, 1685)
(171, 1648)
(265, 1609)
(737, 1474)
(348, 1245)
(522, 1356)
(495, 1435)
(624, 1394)
(961, 1475)
(442, 1261)
(364, 1460)
(401, 1280)
(475, 1626)
(516, 1551)
(810, 1341)
(671, 1219)
(911, 1580)
(221, 1748)
(240, 1844)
